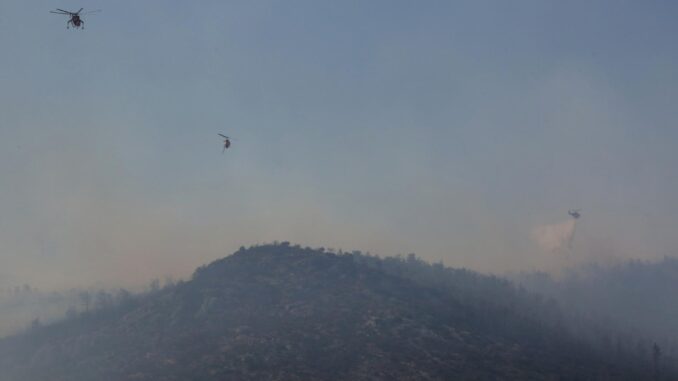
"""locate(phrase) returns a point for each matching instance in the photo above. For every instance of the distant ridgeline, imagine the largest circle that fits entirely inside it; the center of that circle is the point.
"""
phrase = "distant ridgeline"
(282, 312)
(24, 307)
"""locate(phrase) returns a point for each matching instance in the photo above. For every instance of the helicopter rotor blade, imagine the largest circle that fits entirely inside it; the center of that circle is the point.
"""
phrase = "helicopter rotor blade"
(78, 12)
(60, 12)
(70, 13)
(223, 136)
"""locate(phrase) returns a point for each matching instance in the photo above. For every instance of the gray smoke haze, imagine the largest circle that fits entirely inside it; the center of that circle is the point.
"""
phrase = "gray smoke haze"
(434, 139)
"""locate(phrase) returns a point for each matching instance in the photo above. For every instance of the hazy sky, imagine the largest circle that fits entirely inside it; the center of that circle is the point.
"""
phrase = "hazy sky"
(446, 128)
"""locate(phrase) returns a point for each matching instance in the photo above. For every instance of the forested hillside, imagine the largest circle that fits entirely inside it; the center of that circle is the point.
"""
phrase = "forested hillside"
(281, 312)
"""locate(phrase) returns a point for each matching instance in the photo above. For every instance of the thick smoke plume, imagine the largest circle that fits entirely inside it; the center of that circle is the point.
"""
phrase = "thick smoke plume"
(555, 238)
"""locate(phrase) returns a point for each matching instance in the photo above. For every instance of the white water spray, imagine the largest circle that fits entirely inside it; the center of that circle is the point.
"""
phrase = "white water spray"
(555, 238)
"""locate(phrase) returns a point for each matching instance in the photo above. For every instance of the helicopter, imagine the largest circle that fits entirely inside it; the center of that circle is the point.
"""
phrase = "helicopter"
(574, 213)
(227, 142)
(75, 19)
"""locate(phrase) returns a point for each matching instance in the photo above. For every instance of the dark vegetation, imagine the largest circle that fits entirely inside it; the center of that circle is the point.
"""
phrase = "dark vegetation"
(281, 312)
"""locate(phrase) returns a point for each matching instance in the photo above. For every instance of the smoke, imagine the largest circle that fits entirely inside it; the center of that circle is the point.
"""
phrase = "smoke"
(555, 238)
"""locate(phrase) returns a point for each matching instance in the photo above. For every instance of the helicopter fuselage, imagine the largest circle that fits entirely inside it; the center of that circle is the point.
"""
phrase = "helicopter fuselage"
(76, 21)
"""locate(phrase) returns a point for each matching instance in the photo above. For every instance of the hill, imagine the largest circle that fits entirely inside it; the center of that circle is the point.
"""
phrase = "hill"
(281, 312)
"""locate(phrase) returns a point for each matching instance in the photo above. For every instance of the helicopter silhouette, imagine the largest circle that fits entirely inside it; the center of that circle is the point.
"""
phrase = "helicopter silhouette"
(75, 19)
(227, 142)
(574, 213)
